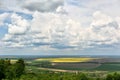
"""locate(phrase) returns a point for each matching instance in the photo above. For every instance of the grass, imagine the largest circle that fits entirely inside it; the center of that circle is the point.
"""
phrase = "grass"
(13, 61)
(65, 59)
(109, 67)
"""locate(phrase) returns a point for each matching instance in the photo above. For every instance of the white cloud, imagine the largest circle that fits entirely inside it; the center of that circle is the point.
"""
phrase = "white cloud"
(61, 10)
(25, 5)
(3, 16)
(118, 21)
(47, 29)
(100, 19)
(18, 25)
(7, 37)
(56, 26)
(106, 28)
(43, 6)
(110, 7)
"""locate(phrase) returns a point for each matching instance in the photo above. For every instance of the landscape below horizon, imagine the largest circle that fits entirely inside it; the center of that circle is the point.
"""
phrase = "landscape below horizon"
(71, 62)
(59, 39)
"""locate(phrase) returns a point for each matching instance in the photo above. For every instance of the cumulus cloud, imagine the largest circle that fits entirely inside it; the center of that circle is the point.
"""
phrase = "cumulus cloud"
(106, 28)
(60, 31)
(18, 25)
(43, 6)
(25, 5)
(54, 27)
(100, 19)
(48, 29)
(59, 25)
(61, 10)
(3, 16)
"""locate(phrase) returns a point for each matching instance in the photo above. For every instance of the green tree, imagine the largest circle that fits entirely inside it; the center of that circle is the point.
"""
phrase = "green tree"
(2, 69)
(109, 77)
(116, 76)
(82, 77)
(19, 68)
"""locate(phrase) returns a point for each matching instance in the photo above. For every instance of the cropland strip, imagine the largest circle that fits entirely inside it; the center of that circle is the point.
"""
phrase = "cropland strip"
(65, 59)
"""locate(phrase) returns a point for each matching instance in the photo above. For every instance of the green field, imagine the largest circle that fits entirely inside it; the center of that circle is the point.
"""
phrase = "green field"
(92, 67)
(62, 69)
(109, 67)
(85, 64)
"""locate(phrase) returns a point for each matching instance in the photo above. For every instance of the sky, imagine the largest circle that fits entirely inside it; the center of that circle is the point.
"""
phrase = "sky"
(59, 27)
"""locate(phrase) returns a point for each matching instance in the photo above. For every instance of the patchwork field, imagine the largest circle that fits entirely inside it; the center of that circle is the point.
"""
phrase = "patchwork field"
(82, 63)
(93, 67)
(73, 63)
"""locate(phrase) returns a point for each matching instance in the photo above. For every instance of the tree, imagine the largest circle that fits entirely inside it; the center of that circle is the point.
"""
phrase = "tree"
(9, 73)
(19, 68)
(109, 77)
(116, 76)
(82, 77)
(2, 69)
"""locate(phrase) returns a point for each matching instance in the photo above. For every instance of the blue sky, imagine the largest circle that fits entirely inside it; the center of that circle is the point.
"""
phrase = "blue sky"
(59, 27)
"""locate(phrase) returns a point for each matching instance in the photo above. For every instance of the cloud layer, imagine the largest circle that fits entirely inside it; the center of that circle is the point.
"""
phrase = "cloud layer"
(61, 32)
(52, 25)
(42, 6)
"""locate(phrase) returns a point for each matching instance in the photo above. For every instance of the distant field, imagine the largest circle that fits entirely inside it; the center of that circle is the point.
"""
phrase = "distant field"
(109, 67)
(82, 63)
(13, 60)
(59, 60)
(72, 63)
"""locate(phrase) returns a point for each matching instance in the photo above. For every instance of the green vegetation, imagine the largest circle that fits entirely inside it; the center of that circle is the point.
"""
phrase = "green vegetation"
(10, 71)
(109, 67)
(91, 64)
(42, 70)
(114, 76)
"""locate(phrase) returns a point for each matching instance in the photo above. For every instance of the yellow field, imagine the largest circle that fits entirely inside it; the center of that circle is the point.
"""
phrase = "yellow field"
(13, 61)
(65, 59)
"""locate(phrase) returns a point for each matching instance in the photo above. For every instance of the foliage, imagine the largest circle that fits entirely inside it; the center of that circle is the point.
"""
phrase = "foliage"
(11, 71)
(16, 71)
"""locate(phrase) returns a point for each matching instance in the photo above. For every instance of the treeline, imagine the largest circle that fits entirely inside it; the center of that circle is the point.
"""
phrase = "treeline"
(114, 76)
(9, 71)
(66, 76)
(16, 71)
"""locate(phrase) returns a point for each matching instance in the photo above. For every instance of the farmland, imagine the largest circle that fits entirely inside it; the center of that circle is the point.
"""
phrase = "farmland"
(79, 63)
(92, 67)
(73, 63)
(64, 60)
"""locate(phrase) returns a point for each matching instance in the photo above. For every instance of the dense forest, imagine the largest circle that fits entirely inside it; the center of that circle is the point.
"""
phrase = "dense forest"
(18, 71)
